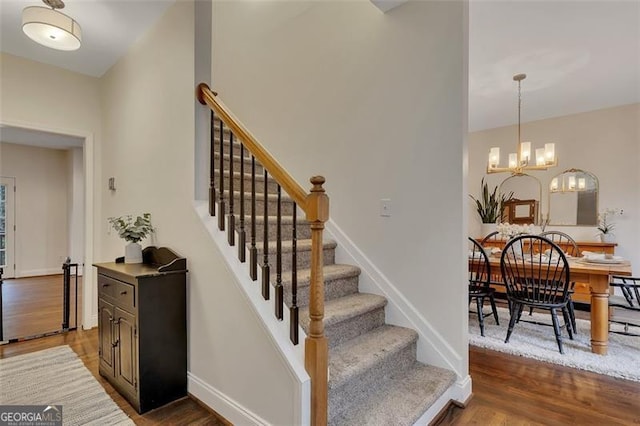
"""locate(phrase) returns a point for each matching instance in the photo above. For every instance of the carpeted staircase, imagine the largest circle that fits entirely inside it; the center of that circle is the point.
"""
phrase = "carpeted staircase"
(374, 377)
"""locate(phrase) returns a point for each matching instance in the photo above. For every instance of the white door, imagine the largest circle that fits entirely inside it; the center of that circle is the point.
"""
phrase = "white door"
(7, 226)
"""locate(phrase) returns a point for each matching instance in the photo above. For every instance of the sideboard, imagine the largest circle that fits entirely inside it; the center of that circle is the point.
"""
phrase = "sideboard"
(142, 327)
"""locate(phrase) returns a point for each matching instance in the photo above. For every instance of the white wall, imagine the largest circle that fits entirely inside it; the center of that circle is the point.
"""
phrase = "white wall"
(604, 142)
(375, 103)
(148, 106)
(43, 97)
(40, 207)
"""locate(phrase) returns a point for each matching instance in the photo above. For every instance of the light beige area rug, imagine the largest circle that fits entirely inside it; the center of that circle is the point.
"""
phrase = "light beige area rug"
(539, 342)
(56, 376)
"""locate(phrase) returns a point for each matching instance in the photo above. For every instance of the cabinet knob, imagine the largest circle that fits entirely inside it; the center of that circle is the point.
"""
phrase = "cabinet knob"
(114, 344)
(123, 292)
(105, 285)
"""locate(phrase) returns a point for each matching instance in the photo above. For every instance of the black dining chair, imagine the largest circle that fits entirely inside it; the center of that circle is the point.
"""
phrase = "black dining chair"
(570, 247)
(536, 273)
(494, 240)
(479, 288)
(624, 307)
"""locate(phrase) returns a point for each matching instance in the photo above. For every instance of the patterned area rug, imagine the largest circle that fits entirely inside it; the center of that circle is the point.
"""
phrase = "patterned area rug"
(539, 342)
(57, 376)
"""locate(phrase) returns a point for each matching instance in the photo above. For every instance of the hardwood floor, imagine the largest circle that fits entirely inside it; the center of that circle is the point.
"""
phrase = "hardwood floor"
(33, 306)
(507, 390)
(185, 411)
(510, 390)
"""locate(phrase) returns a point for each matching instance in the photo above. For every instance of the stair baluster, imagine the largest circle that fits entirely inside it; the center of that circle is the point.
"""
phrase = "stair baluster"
(231, 219)
(253, 251)
(265, 240)
(241, 231)
(293, 310)
(278, 287)
(212, 168)
(221, 206)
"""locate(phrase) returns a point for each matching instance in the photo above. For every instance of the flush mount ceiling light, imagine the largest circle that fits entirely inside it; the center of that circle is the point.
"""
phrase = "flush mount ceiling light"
(51, 28)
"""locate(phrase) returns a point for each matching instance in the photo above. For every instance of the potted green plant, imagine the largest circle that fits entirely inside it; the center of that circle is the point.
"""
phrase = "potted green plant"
(490, 204)
(133, 231)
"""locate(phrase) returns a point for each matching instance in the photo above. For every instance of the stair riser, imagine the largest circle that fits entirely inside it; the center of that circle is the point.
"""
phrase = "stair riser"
(236, 146)
(303, 230)
(272, 207)
(303, 261)
(333, 289)
(345, 330)
(355, 391)
(236, 164)
(272, 185)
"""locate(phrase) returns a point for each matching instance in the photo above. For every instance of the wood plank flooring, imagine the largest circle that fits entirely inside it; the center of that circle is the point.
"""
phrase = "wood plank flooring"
(510, 390)
(33, 306)
(507, 390)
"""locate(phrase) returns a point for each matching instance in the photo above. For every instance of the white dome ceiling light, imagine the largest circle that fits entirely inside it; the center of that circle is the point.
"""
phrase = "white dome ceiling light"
(51, 28)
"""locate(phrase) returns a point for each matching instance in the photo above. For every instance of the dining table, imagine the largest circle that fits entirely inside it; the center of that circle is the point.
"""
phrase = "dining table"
(597, 276)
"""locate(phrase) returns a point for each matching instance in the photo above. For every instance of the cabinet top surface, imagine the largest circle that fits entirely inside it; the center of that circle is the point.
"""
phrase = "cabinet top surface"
(132, 269)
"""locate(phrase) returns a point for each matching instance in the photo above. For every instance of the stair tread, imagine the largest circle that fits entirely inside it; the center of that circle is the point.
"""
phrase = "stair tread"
(402, 401)
(332, 272)
(343, 308)
(273, 197)
(355, 356)
(302, 245)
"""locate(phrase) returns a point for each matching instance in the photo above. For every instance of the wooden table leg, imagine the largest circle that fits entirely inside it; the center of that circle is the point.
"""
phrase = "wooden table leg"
(599, 322)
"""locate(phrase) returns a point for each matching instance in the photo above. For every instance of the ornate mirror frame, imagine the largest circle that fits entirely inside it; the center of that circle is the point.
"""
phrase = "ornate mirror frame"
(573, 190)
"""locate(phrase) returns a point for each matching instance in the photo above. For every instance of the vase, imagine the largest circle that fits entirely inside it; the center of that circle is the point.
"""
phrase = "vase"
(487, 228)
(607, 238)
(133, 253)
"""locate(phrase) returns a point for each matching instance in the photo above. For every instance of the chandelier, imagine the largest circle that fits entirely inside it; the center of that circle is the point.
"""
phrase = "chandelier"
(521, 161)
(51, 28)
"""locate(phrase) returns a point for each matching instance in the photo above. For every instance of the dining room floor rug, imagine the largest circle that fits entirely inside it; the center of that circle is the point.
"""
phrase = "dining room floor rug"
(539, 342)
(56, 376)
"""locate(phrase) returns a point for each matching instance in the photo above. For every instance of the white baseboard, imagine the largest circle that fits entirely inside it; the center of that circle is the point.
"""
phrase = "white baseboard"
(460, 392)
(91, 323)
(221, 403)
(39, 272)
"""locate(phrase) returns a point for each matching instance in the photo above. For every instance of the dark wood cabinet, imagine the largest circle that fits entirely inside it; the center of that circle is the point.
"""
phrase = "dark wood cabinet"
(142, 326)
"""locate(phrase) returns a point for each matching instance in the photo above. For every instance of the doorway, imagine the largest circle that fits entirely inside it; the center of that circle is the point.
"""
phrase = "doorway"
(7, 226)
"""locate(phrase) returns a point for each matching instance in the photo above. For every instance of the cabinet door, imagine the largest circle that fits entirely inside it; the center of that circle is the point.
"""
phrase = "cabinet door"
(105, 337)
(127, 364)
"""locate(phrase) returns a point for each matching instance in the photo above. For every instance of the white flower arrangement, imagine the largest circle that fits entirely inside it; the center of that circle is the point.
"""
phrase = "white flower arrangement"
(605, 224)
(509, 231)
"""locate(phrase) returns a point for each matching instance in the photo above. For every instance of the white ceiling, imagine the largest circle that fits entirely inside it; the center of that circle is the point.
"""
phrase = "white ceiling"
(109, 27)
(578, 55)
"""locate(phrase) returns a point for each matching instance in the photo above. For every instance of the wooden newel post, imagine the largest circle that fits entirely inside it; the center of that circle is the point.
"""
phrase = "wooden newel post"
(316, 346)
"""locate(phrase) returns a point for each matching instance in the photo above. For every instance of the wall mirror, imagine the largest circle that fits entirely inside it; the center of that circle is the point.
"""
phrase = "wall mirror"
(527, 194)
(573, 198)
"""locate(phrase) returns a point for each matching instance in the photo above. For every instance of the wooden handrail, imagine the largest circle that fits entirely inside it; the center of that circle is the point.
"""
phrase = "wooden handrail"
(315, 204)
(207, 97)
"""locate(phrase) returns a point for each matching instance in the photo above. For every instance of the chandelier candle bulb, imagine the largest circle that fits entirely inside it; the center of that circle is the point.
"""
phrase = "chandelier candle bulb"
(572, 183)
(540, 161)
(525, 152)
(513, 160)
(494, 157)
(554, 184)
(550, 153)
